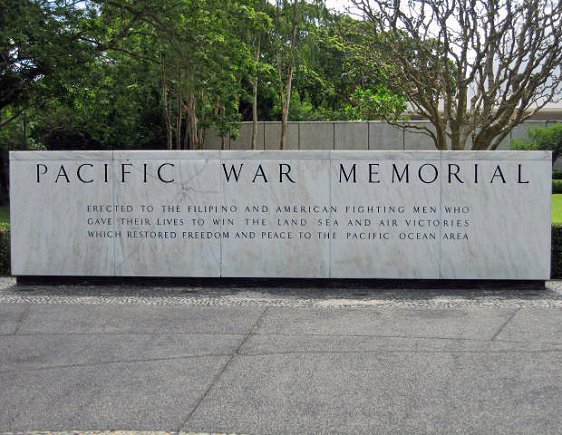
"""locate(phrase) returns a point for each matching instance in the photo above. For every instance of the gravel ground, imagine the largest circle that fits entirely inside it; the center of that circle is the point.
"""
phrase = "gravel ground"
(119, 432)
(355, 297)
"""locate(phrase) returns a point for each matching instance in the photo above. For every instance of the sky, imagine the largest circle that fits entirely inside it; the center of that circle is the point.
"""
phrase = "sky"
(338, 5)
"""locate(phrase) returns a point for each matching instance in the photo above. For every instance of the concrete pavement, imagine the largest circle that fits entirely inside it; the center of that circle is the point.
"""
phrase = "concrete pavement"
(280, 361)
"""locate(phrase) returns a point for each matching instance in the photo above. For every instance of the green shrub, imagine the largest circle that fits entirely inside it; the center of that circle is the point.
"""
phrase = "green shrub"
(542, 138)
(4, 217)
(557, 175)
(556, 252)
(4, 251)
(556, 186)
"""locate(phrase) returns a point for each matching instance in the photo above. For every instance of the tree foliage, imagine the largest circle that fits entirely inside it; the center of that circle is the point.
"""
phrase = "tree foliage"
(542, 139)
(159, 73)
(40, 41)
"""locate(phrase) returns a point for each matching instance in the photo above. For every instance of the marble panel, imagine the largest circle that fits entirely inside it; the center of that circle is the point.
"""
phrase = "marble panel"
(417, 139)
(383, 136)
(382, 214)
(213, 141)
(244, 140)
(505, 144)
(352, 135)
(498, 212)
(174, 226)
(316, 135)
(273, 226)
(50, 231)
(273, 136)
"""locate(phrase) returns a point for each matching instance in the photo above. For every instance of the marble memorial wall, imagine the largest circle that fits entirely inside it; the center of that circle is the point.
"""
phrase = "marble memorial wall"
(302, 214)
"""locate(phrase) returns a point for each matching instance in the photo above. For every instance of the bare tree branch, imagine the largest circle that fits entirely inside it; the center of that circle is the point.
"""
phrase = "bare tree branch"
(474, 68)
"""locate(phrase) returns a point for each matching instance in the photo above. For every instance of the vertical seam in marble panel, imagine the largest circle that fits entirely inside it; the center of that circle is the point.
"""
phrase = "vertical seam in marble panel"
(223, 202)
(333, 135)
(330, 241)
(264, 136)
(441, 216)
(368, 135)
(114, 239)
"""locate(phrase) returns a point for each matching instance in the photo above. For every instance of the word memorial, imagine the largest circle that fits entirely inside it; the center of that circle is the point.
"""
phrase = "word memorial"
(292, 214)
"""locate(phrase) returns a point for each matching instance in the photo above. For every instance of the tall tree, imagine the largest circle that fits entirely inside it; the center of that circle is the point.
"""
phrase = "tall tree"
(263, 25)
(293, 22)
(474, 68)
(202, 58)
(39, 40)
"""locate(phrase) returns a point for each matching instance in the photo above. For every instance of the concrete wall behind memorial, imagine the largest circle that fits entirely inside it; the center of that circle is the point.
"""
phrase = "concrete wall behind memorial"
(342, 135)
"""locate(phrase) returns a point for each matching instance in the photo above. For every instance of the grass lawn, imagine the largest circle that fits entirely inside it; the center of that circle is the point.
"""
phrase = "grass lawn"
(557, 208)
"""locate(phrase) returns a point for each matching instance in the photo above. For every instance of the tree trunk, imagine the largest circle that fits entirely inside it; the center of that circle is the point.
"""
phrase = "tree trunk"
(185, 143)
(192, 122)
(285, 108)
(285, 104)
(179, 117)
(440, 138)
(167, 119)
(287, 97)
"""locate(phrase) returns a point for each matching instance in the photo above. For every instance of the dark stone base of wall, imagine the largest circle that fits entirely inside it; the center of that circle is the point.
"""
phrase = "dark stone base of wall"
(284, 282)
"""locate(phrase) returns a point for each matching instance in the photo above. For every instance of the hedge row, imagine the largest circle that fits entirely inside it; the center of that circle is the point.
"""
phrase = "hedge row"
(4, 251)
(556, 186)
(556, 251)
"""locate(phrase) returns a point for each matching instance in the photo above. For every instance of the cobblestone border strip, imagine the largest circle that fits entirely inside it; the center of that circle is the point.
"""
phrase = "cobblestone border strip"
(551, 297)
